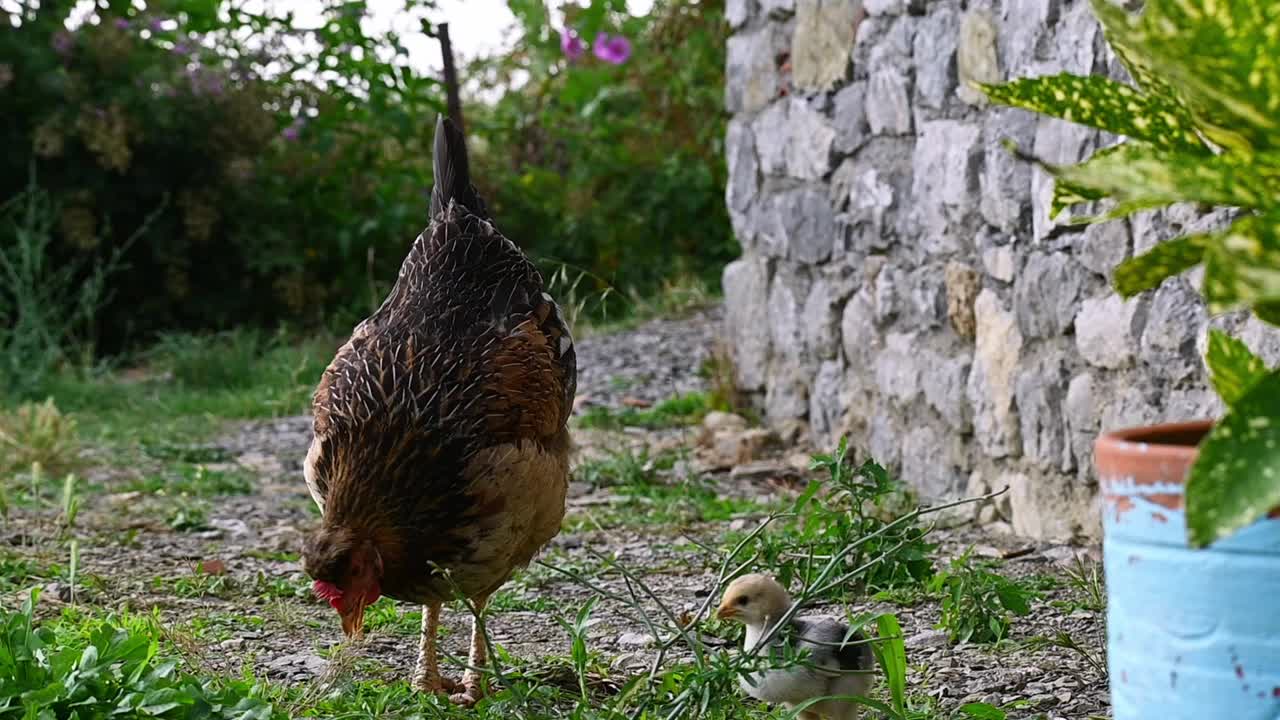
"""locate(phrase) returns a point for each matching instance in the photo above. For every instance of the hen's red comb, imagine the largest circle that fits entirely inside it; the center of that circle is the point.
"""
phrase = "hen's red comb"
(328, 591)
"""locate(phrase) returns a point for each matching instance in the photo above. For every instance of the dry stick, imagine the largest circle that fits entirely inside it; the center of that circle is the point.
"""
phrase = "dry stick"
(696, 648)
(597, 589)
(822, 585)
(810, 592)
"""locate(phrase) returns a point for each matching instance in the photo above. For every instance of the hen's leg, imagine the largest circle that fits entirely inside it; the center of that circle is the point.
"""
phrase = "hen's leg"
(472, 679)
(427, 675)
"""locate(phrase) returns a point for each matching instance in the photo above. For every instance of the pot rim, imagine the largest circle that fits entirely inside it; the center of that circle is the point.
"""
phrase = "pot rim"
(1147, 440)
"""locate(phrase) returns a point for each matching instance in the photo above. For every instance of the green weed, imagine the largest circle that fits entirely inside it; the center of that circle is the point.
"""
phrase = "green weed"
(851, 512)
(108, 667)
(678, 411)
(977, 603)
(195, 481)
(38, 433)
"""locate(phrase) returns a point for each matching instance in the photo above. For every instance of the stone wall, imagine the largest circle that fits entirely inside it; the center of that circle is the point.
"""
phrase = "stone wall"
(901, 282)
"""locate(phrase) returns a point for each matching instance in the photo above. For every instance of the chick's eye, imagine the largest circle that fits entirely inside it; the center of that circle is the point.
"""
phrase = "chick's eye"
(744, 600)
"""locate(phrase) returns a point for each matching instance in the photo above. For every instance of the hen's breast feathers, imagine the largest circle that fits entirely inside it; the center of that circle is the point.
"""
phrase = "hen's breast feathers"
(467, 352)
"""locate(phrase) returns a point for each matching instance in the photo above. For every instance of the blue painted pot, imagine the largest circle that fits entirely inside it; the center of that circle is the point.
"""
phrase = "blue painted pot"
(1191, 634)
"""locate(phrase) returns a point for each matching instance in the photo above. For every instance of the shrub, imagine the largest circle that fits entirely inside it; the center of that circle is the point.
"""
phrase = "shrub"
(286, 176)
(1201, 126)
(616, 170)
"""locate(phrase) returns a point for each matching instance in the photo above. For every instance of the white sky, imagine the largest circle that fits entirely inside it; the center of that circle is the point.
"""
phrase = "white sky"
(475, 26)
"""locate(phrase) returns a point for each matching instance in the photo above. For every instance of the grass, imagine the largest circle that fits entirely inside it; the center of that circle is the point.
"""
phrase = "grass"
(644, 497)
(168, 679)
(194, 481)
(849, 530)
(679, 411)
(188, 386)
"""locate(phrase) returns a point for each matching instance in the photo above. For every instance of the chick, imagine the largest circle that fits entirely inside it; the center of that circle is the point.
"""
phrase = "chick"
(759, 601)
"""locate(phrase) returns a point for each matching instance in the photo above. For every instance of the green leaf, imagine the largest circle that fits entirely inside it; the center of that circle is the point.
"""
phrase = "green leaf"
(1242, 267)
(1224, 58)
(1013, 598)
(1233, 369)
(1120, 29)
(1148, 270)
(1105, 104)
(1235, 480)
(982, 711)
(1148, 175)
(892, 653)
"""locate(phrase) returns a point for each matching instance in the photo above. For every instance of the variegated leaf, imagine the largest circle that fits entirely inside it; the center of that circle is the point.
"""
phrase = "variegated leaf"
(1243, 266)
(1149, 175)
(1104, 104)
(1235, 480)
(1169, 258)
(1233, 369)
(1065, 194)
(1224, 58)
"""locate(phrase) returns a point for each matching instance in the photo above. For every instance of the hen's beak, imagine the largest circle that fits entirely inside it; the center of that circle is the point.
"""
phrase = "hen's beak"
(353, 620)
(726, 611)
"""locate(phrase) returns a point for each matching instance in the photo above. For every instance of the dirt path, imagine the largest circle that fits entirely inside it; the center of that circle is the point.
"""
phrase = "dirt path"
(251, 606)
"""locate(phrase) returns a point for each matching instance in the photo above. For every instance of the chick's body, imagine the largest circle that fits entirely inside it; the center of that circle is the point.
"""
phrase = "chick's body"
(833, 661)
(829, 670)
(440, 457)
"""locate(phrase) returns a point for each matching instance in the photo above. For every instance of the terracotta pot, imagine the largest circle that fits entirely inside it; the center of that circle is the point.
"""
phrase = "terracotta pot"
(1191, 633)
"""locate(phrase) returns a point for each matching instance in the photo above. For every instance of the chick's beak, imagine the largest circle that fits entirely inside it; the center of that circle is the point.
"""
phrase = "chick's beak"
(726, 611)
(353, 619)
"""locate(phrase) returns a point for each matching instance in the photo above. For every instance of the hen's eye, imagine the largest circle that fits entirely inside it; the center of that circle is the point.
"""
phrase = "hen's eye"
(744, 600)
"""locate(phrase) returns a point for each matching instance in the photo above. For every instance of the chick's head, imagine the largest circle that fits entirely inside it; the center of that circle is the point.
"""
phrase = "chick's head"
(347, 571)
(754, 599)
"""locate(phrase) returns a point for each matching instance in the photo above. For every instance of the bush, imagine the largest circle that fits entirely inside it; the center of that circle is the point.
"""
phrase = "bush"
(285, 171)
(1201, 126)
(616, 172)
(285, 179)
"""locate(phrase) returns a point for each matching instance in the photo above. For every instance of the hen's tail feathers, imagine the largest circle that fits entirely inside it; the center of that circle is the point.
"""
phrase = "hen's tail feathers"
(452, 171)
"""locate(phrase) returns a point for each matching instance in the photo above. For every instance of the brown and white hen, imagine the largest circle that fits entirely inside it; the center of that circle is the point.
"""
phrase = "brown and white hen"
(440, 459)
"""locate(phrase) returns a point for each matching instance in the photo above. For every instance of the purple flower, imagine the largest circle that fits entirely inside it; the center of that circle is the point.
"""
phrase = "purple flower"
(570, 44)
(613, 49)
(122, 24)
(62, 43)
(205, 82)
(182, 49)
(292, 132)
(156, 24)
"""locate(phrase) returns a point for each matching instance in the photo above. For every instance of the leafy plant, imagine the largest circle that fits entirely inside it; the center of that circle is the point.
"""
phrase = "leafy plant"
(1200, 119)
(578, 653)
(851, 505)
(110, 667)
(977, 604)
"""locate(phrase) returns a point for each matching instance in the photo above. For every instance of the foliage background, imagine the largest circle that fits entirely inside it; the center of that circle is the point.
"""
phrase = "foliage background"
(244, 170)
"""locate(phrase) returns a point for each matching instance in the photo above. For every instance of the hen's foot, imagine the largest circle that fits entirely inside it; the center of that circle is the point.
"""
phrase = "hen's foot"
(436, 685)
(471, 693)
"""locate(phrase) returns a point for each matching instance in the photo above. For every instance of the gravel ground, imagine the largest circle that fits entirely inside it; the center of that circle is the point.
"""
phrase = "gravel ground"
(142, 562)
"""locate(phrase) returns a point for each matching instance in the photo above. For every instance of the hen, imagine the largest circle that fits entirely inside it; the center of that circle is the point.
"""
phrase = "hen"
(441, 454)
(838, 663)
